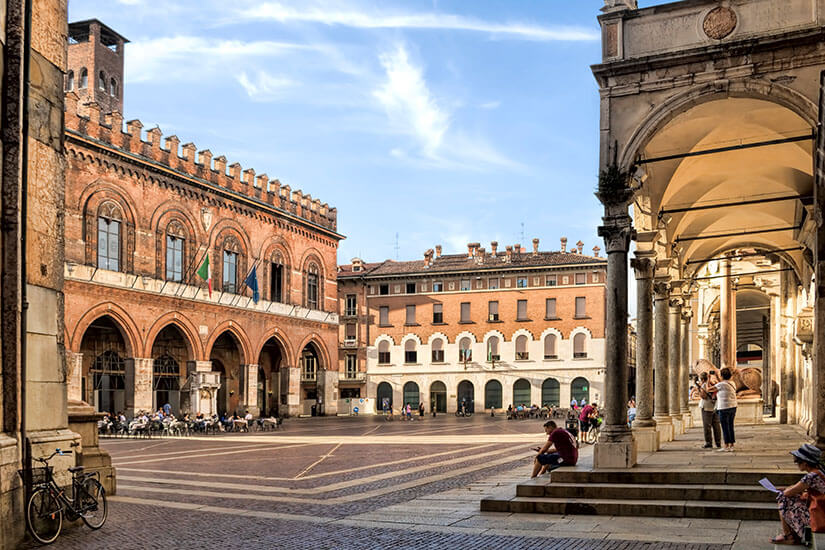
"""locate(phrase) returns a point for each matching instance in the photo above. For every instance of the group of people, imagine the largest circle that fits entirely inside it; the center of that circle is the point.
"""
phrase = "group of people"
(718, 406)
(533, 411)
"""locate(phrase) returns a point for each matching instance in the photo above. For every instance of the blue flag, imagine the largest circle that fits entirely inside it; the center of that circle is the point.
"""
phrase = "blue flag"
(252, 282)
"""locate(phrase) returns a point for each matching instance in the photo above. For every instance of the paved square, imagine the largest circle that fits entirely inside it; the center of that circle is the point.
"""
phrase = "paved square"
(358, 483)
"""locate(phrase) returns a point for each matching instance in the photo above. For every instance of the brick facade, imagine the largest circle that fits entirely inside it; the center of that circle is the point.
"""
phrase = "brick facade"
(141, 326)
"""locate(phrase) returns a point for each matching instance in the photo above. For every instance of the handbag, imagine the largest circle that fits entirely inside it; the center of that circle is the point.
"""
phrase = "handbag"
(816, 507)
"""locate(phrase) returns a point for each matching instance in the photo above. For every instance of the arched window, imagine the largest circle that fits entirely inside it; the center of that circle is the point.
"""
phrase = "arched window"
(84, 79)
(312, 286)
(383, 352)
(175, 240)
(550, 347)
(230, 257)
(438, 397)
(521, 348)
(580, 389)
(278, 277)
(70, 81)
(521, 392)
(384, 395)
(410, 353)
(580, 345)
(438, 350)
(101, 81)
(411, 394)
(113, 87)
(550, 393)
(465, 350)
(492, 395)
(109, 219)
(492, 349)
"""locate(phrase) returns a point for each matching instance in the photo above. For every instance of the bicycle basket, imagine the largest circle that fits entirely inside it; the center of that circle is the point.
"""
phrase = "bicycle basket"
(40, 474)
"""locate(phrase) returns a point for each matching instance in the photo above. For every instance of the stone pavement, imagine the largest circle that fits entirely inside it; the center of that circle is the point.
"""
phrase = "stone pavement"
(362, 483)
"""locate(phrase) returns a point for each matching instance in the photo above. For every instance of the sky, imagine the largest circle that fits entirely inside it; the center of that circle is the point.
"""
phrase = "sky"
(423, 122)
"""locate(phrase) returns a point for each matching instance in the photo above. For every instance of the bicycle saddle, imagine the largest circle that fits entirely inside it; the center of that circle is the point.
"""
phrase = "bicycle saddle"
(74, 469)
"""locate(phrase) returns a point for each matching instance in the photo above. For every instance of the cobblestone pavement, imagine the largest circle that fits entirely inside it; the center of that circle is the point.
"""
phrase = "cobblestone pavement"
(354, 483)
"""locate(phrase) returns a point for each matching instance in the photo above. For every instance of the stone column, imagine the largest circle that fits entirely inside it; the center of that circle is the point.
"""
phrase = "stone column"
(644, 427)
(74, 375)
(703, 333)
(293, 391)
(776, 387)
(684, 368)
(252, 389)
(818, 360)
(725, 352)
(139, 396)
(616, 447)
(328, 388)
(661, 410)
(674, 363)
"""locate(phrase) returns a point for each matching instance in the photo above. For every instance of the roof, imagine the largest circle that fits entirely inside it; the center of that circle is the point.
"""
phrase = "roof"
(449, 263)
(81, 27)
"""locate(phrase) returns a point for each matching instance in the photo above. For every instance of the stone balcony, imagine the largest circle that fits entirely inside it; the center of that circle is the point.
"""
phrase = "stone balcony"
(359, 376)
(170, 289)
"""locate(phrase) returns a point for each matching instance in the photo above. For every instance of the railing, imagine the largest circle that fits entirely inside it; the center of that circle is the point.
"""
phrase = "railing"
(349, 344)
(357, 376)
(309, 376)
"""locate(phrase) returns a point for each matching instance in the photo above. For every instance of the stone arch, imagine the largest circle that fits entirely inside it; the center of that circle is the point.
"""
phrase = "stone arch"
(276, 250)
(187, 328)
(768, 248)
(127, 326)
(312, 265)
(683, 101)
(95, 197)
(466, 334)
(522, 332)
(581, 329)
(240, 336)
(490, 333)
(384, 338)
(229, 236)
(411, 336)
(551, 330)
(435, 335)
(277, 335)
(321, 348)
(168, 218)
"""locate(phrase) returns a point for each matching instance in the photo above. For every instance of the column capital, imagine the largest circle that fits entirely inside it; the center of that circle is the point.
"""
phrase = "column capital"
(644, 266)
(661, 289)
(619, 5)
(617, 232)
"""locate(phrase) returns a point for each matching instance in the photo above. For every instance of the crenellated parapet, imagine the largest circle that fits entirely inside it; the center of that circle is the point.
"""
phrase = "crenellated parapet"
(87, 119)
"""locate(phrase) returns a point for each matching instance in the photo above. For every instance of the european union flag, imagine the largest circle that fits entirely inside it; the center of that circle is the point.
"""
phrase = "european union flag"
(252, 282)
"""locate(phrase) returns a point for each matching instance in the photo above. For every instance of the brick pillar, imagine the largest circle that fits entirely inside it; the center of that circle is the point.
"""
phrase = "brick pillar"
(138, 385)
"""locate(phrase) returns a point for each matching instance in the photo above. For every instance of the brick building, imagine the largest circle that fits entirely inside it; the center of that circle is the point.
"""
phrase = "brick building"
(488, 329)
(146, 222)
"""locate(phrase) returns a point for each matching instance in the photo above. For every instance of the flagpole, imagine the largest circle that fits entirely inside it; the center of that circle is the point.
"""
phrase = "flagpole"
(245, 286)
(191, 270)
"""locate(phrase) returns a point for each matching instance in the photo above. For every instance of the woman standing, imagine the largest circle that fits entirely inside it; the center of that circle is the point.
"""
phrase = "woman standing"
(726, 407)
(794, 512)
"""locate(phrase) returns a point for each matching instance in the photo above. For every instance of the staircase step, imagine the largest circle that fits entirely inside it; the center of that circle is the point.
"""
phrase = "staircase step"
(681, 476)
(644, 491)
(634, 507)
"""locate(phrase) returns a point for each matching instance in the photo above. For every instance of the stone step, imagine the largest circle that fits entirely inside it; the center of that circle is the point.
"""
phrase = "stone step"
(644, 491)
(631, 507)
(780, 478)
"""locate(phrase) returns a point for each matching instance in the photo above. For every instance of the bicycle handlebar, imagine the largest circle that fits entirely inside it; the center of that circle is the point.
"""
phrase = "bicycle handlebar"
(51, 456)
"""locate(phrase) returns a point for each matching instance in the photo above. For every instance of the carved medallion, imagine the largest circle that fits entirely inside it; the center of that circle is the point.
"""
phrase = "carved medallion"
(206, 218)
(719, 22)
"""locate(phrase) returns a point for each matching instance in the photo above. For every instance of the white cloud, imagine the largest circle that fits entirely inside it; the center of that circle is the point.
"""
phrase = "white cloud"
(331, 14)
(489, 105)
(187, 57)
(409, 103)
(264, 86)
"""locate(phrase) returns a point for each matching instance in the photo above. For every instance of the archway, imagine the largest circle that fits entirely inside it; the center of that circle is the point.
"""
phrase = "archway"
(580, 390)
(383, 396)
(466, 395)
(170, 353)
(272, 386)
(521, 393)
(104, 366)
(550, 393)
(411, 396)
(310, 365)
(492, 395)
(438, 397)
(226, 357)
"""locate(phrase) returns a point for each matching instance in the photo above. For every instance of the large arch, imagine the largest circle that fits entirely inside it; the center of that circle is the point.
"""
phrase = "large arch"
(323, 352)
(125, 324)
(237, 332)
(103, 371)
(278, 336)
(170, 352)
(227, 356)
(187, 328)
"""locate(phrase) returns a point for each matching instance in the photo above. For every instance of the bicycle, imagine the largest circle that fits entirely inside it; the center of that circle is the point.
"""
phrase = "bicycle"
(48, 502)
(592, 435)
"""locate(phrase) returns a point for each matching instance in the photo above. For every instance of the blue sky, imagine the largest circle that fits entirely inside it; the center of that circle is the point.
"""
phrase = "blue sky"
(442, 121)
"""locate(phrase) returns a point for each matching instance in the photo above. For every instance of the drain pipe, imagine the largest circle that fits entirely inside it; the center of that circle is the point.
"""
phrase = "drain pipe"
(24, 183)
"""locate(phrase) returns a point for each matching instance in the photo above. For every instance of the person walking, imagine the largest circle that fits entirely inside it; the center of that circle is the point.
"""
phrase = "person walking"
(421, 409)
(707, 404)
(725, 393)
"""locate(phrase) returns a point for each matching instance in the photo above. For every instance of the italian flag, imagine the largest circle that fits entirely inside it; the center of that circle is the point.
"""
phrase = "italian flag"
(205, 274)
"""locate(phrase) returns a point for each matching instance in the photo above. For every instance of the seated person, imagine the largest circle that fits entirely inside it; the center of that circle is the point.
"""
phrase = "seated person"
(510, 411)
(560, 450)
(794, 511)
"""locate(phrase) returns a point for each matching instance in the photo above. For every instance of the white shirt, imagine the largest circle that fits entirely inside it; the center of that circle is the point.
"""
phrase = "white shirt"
(707, 404)
(726, 395)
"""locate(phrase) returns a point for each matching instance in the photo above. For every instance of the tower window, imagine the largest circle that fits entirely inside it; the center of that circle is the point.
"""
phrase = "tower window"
(101, 81)
(84, 79)
(70, 81)
(113, 87)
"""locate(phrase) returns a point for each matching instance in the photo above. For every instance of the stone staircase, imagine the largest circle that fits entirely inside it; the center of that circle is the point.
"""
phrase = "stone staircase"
(690, 493)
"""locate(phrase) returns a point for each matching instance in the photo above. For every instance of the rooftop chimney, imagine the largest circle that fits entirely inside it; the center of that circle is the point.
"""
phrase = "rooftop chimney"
(493, 247)
(580, 246)
(517, 248)
(535, 247)
(469, 250)
(508, 253)
(564, 244)
(596, 250)
(428, 258)
(438, 251)
(357, 264)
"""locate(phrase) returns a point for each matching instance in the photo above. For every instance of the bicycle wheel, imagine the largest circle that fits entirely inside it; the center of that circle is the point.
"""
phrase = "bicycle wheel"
(93, 503)
(591, 436)
(43, 516)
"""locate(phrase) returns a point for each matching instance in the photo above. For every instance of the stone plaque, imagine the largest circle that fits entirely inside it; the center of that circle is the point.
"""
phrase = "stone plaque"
(719, 22)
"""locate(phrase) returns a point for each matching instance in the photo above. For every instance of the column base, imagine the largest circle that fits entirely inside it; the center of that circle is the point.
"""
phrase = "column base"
(678, 425)
(664, 428)
(687, 420)
(614, 454)
(647, 439)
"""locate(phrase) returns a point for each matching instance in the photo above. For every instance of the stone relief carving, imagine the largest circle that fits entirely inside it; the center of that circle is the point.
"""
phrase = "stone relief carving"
(719, 22)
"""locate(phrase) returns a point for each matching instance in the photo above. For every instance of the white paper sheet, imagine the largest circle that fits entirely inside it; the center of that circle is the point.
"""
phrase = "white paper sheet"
(764, 482)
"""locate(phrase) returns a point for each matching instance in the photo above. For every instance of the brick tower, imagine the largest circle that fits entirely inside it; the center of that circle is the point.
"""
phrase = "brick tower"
(95, 68)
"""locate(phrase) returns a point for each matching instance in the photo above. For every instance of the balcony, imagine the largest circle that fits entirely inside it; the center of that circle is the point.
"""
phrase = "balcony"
(308, 376)
(357, 376)
(349, 344)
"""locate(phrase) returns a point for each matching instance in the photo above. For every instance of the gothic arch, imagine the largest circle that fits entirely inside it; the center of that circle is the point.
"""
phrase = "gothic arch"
(278, 335)
(240, 336)
(168, 218)
(127, 326)
(98, 196)
(322, 350)
(311, 263)
(190, 333)
(276, 250)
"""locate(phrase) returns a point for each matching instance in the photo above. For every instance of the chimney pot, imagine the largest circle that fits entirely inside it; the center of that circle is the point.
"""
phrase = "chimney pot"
(535, 246)
(580, 246)
(564, 244)
(493, 247)
(438, 251)
(596, 250)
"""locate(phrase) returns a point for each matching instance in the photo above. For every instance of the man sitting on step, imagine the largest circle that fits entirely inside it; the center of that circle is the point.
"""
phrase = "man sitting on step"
(560, 450)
